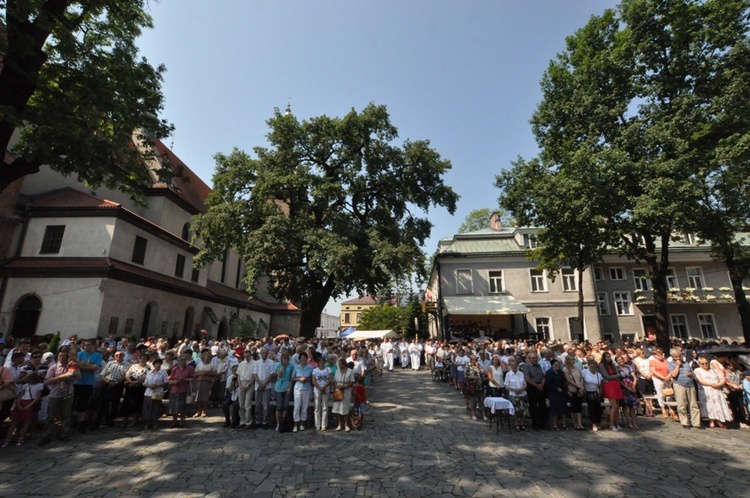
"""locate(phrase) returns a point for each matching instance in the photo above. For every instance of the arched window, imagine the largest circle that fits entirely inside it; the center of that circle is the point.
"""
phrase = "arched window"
(26, 317)
(186, 232)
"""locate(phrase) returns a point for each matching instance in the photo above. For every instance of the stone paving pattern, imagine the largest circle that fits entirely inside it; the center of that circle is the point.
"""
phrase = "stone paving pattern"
(417, 441)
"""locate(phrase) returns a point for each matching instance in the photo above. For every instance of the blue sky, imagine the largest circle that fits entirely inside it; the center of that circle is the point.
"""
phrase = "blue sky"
(463, 74)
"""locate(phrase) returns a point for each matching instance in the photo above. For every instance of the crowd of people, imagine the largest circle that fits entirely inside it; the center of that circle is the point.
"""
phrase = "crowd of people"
(258, 384)
(550, 384)
(305, 384)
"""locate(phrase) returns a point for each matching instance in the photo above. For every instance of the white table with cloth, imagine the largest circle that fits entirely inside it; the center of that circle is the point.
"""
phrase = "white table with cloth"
(499, 409)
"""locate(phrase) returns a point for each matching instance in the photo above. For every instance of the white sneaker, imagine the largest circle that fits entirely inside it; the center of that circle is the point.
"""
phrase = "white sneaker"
(277, 428)
(295, 429)
(302, 427)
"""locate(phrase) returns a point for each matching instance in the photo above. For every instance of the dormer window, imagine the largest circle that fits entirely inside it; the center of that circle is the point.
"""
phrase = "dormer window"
(529, 241)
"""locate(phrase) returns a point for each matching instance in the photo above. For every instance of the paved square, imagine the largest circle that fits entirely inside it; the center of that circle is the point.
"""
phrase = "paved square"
(417, 441)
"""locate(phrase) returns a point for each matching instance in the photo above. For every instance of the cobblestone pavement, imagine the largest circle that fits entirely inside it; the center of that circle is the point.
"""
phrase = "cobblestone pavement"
(417, 441)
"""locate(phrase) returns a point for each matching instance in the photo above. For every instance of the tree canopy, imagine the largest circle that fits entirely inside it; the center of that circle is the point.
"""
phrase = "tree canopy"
(397, 318)
(72, 81)
(332, 205)
(479, 219)
(633, 114)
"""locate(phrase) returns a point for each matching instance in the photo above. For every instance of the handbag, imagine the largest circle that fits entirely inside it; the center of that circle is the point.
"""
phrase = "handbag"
(668, 390)
(157, 396)
(338, 395)
(7, 394)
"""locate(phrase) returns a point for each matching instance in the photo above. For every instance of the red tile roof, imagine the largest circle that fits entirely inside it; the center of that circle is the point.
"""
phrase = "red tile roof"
(190, 187)
(69, 197)
(223, 290)
(362, 300)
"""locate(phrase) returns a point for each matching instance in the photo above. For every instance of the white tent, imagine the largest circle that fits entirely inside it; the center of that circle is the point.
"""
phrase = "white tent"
(361, 335)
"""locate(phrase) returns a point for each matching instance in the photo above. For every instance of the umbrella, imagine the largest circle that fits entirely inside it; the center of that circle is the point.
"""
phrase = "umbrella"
(730, 350)
(483, 339)
(454, 340)
(282, 336)
(347, 332)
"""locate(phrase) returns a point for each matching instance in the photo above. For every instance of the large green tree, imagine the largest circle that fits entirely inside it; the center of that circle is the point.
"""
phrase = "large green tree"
(571, 229)
(398, 318)
(332, 205)
(627, 105)
(72, 81)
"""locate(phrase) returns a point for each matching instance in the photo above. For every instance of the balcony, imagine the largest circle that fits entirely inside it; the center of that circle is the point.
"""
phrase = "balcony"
(689, 295)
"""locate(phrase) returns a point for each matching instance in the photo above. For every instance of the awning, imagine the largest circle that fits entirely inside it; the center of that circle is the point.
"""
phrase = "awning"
(207, 310)
(500, 304)
(371, 334)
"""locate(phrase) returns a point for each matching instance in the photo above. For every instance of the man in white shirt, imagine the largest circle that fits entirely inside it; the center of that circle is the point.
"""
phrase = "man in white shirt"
(263, 375)
(461, 361)
(387, 349)
(359, 363)
(515, 384)
(246, 381)
(403, 348)
(429, 355)
(24, 346)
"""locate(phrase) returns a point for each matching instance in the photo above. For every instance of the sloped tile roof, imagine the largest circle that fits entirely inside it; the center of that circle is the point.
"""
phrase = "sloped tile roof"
(71, 198)
(362, 300)
(190, 187)
(223, 290)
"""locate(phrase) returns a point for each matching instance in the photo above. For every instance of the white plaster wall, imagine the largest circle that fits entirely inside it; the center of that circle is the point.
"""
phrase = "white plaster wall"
(83, 237)
(70, 305)
(161, 256)
(125, 300)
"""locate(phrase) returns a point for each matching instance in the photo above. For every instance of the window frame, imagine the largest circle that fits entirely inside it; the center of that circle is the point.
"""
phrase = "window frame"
(540, 277)
(684, 324)
(52, 239)
(570, 278)
(620, 270)
(548, 325)
(701, 325)
(641, 282)
(179, 267)
(598, 274)
(618, 302)
(492, 280)
(140, 246)
(529, 241)
(691, 278)
(602, 299)
(672, 281)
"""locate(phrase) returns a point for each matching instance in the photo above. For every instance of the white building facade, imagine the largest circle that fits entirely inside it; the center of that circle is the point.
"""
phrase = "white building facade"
(98, 264)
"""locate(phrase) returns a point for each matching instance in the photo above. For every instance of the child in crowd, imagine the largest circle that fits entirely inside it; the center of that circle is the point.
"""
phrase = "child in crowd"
(360, 402)
(24, 408)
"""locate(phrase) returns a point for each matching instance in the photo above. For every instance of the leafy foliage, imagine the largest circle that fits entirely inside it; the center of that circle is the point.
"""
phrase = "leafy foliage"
(401, 319)
(634, 112)
(331, 206)
(479, 219)
(73, 82)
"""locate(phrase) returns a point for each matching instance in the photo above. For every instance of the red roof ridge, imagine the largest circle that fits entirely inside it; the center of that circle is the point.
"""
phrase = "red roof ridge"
(362, 300)
(186, 183)
(71, 197)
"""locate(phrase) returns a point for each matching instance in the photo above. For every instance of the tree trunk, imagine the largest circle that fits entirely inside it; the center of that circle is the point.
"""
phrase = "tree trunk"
(658, 266)
(309, 321)
(312, 307)
(737, 272)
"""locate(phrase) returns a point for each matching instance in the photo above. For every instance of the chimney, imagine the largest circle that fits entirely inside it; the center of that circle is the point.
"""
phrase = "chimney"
(495, 223)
